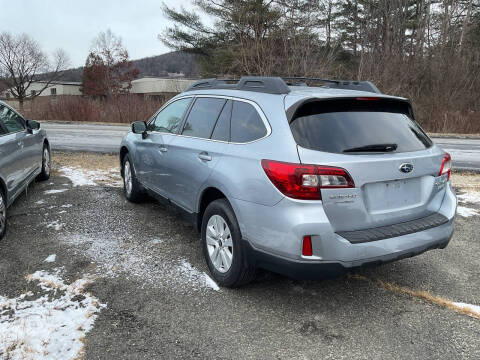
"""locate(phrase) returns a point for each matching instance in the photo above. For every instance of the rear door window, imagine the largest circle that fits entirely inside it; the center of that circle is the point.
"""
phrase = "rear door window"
(203, 116)
(222, 127)
(246, 123)
(358, 126)
(10, 120)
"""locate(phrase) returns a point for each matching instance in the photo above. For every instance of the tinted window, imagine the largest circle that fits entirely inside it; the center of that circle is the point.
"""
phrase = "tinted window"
(246, 123)
(168, 120)
(202, 117)
(11, 120)
(222, 128)
(359, 124)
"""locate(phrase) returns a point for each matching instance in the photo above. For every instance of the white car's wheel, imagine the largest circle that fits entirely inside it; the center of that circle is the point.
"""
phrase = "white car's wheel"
(46, 164)
(3, 215)
(222, 238)
(131, 187)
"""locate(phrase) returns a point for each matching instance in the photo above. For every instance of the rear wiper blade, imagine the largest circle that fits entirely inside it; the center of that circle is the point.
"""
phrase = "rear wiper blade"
(373, 147)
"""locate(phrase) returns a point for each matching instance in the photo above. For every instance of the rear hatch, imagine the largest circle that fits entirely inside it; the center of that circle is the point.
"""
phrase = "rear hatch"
(392, 162)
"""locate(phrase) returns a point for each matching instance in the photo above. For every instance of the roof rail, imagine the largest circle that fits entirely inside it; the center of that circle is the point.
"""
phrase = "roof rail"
(334, 84)
(277, 85)
(263, 84)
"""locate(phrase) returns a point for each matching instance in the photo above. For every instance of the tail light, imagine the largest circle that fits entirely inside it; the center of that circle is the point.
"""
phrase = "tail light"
(300, 181)
(446, 167)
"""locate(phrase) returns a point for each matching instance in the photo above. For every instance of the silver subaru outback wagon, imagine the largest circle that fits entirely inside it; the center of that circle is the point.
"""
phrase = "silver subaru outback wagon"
(304, 181)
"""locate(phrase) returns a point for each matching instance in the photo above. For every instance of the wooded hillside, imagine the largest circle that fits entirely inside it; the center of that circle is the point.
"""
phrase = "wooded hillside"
(160, 65)
(426, 50)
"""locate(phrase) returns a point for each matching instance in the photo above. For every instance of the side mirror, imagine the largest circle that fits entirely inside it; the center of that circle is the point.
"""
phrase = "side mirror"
(140, 127)
(32, 125)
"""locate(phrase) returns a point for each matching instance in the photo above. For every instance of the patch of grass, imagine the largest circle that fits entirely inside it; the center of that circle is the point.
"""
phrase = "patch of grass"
(421, 294)
(86, 161)
(466, 181)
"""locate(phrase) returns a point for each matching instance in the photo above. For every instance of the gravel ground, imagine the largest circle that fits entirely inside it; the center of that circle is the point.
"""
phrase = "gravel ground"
(159, 302)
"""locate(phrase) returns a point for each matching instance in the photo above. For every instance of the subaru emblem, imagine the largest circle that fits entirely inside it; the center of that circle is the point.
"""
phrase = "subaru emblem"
(406, 167)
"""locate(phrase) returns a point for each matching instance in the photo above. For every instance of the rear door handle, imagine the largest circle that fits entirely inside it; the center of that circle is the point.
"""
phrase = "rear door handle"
(204, 156)
(162, 148)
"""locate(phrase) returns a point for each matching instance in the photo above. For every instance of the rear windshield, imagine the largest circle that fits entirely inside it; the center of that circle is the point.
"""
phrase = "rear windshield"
(358, 126)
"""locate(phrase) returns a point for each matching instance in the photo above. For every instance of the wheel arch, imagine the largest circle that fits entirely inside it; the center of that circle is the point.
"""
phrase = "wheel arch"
(208, 195)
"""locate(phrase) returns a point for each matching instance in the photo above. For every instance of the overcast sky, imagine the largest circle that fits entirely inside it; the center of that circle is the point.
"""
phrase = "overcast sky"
(72, 24)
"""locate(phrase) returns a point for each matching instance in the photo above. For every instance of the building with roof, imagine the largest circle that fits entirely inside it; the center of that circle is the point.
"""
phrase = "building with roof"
(150, 87)
(55, 88)
(158, 87)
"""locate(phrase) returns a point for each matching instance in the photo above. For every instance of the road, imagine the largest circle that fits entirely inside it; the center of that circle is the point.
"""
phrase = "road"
(85, 137)
(106, 138)
(465, 152)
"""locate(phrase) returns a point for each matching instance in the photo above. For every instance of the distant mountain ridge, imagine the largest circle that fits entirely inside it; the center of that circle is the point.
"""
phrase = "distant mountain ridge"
(160, 65)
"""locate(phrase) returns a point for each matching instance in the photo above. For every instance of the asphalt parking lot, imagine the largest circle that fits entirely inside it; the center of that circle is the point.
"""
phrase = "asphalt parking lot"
(149, 295)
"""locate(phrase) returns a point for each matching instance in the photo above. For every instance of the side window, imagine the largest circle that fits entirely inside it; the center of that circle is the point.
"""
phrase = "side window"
(11, 121)
(202, 117)
(246, 123)
(168, 120)
(222, 128)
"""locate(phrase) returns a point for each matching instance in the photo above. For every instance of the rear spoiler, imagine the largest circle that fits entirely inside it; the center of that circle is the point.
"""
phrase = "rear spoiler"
(292, 110)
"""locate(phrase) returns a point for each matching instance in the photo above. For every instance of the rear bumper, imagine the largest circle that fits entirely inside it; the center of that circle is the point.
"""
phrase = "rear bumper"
(275, 242)
(310, 270)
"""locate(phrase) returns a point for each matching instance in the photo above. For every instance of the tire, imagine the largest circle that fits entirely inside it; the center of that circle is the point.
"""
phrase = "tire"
(219, 247)
(131, 187)
(46, 164)
(3, 215)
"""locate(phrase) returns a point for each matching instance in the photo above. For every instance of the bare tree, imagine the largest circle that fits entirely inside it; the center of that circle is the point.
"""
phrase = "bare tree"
(22, 60)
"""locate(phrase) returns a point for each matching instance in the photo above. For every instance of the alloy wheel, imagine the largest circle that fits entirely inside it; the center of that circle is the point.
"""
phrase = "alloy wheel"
(127, 177)
(3, 214)
(46, 161)
(219, 243)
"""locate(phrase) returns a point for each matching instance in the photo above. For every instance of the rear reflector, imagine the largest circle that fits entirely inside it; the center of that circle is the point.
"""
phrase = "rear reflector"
(307, 246)
(302, 181)
(446, 167)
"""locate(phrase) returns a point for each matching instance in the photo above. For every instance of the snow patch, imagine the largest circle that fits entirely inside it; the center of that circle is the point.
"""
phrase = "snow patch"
(195, 275)
(55, 224)
(472, 197)
(67, 206)
(157, 241)
(81, 177)
(474, 308)
(54, 191)
(52, 326)
(50, 258)
(144, 262)
(77, 176)
(40, 202)
(466, 212)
